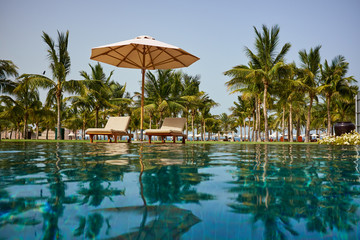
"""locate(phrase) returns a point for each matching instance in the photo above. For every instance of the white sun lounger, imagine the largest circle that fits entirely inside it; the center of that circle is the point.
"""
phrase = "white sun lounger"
(172, 127)
(116, 126)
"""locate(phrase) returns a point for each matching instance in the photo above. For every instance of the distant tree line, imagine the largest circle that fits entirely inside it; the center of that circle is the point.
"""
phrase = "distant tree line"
(273, 95)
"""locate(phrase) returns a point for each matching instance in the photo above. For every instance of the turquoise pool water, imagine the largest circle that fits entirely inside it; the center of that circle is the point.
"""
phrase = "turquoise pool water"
(166, 191)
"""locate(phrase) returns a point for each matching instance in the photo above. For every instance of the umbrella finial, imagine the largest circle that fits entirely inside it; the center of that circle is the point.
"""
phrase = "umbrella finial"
(145, 37)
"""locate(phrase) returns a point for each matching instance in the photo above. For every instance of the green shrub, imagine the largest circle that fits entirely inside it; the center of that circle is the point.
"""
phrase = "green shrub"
(352, 138)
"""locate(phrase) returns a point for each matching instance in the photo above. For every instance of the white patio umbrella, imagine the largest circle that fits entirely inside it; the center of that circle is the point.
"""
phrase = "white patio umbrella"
(145, 53)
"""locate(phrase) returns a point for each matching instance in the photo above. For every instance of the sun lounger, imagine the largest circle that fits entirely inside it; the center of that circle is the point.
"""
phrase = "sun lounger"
(116, 126)
(172, 127)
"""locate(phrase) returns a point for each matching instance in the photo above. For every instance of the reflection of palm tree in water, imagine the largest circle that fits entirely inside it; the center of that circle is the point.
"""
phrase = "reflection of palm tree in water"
(96, 192)
(54, 206)
(315, 191)
(258, 196)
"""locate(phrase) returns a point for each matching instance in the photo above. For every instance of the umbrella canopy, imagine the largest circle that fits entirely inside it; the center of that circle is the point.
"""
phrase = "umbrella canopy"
(145, 53)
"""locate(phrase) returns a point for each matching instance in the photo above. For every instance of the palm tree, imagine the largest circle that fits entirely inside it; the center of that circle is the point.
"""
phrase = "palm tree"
(227, 122)
(204, 108)
(159, 92)
(7, 69)
(83, 106)
(240, 111)
(266, 62)
(97, 89)
(310, 64)
(49, 119)
(247, 81)
(60, 66)
(343, 109)
(190, 87)
(26, 97)
(37, 116)
(196, 102)
(286, 88)
(334, 82)
(120, 99)
(12, 112)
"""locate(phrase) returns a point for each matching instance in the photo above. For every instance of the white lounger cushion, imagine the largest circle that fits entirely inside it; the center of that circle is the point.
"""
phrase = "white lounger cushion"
(114, 125)
(170, 125)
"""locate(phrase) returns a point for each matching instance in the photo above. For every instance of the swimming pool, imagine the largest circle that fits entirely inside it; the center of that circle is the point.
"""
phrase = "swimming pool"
(171, 191)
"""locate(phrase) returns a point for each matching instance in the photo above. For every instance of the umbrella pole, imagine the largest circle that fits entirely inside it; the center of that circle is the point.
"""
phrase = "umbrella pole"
(142, 104)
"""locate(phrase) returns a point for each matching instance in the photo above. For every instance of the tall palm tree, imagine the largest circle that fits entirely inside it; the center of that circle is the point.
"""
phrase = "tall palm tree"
(266, 62)
(59, 59)
(247, 81)
(309, 76)
(334, 82)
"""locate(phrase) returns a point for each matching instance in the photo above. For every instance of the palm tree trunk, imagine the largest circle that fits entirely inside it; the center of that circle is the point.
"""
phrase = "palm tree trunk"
(298, 128)
(96, 117)
(291, 137)
(83, 130)
(253, 132)
(265, 113)
(241, 132)
(96, 120)
(37, 131)
(25, 126)
(186, 123)
(47, 133)
(258, 123)
(288, 128)
(204, 130)
(58, 101)
(192, 124)
(307, 131)
(328, 97)
(201, 130)
(18, 131)
(283, 122)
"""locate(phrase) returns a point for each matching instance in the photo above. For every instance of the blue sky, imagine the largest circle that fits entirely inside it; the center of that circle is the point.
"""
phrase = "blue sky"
(215, 31)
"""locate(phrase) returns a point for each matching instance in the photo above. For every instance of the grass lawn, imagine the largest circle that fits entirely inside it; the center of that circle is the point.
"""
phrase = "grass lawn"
(187, 142)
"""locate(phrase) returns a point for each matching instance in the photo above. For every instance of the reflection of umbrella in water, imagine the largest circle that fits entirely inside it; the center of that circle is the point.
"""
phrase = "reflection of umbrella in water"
(158, 222)
(143, 52)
